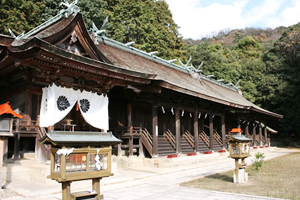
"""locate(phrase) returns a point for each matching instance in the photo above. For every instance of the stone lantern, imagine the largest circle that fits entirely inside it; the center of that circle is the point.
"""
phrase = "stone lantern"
(79, 156)
(239, 149)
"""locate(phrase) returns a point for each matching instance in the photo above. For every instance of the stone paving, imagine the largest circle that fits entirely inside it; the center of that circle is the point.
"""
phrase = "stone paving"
(147, 183)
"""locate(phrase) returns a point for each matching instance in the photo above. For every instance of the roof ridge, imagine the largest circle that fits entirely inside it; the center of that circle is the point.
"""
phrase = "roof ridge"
(152, 57)
(72, 8)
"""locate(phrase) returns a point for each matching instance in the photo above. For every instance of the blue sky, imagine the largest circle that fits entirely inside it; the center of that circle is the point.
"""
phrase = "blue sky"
(203, 18)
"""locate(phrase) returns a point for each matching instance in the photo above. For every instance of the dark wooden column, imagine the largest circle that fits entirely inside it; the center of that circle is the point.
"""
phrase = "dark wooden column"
(201, 123)
(196, 131)
(130, 140)
(130, 129)
(260, 134)
(247, 129)
(177, 130)
(16, 146)
(254, 135)
(129, 113)
(155, 130)
(239, 123)
(211, 132)
(266, 135)
(223, 132)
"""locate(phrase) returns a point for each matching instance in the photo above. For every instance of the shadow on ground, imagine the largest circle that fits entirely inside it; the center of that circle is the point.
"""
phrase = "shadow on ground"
(222, 177)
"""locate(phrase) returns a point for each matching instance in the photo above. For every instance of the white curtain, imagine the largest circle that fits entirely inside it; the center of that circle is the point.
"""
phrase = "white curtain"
(57, 102)
(94, 109)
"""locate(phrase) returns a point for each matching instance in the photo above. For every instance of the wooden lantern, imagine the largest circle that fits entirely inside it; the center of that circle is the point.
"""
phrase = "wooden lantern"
(239, 148)
(79, 156)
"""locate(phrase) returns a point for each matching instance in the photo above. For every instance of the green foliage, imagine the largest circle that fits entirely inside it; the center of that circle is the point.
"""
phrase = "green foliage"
(92, 11)
(146, 22)
(20, 15)
(258, 162)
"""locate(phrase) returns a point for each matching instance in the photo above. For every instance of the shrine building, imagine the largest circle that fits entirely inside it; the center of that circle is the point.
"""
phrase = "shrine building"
(65, 76)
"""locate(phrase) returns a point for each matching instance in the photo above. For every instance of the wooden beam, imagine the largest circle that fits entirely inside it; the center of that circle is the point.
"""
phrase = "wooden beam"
(223, 131)
(260, 135)
(254, 135)
(247, 129)
(238, 123)
(211, 132)
(155, 130)
(196, 131)
(177, 130)
(266, 135)
(66, 190)
(16, 146)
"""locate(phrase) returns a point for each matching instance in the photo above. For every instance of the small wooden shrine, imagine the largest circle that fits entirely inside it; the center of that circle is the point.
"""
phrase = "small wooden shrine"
(239, 149)
(79, 156)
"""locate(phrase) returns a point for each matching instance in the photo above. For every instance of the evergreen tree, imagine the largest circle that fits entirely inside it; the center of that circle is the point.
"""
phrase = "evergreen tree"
(92, 11)
(20, 15)
(148, 23)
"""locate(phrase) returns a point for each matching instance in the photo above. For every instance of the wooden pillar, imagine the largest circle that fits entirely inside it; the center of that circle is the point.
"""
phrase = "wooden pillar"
(130, 141)
(223, 132)
(155, 130)
(260, 135)
(66, 190)
(247, 129)
(1, 159)
(201, 123)
(239, 123)
(141, 149)
(254, 135)
(96, 187)
(266, 135)
(177, 130)
(211, 132)
(129, 113)
(16, 146)
(196, 131)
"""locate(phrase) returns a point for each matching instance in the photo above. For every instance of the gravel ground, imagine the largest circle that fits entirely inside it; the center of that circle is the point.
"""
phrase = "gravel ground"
(7, 193)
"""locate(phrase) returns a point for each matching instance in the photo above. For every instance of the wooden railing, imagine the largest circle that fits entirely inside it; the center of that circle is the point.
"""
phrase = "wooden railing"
(170, 137)
(147, 140)
(204, 138)
(26, 126)
(189, 138)
(218, 138)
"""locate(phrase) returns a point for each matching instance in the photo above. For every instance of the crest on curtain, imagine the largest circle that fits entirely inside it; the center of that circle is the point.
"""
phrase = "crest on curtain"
(57, 102)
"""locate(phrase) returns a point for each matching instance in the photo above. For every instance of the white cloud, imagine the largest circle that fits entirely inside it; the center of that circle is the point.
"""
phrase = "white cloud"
(289, 16)
(196, 21)
(261, 12)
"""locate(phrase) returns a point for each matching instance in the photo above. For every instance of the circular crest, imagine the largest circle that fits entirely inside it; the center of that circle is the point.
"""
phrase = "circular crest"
(84, 105)
(62, 103)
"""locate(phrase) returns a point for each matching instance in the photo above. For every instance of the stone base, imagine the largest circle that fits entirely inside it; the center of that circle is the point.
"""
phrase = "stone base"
(242, 177)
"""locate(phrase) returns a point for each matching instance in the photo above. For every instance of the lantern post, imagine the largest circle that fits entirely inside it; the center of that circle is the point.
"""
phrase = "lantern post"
(239, 149)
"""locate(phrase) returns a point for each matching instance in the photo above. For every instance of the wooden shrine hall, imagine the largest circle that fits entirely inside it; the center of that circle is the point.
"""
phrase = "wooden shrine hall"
(156, 107)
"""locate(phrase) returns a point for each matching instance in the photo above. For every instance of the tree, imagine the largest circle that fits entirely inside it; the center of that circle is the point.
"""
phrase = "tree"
(92, 11)
(148, 23)
(20, 15)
